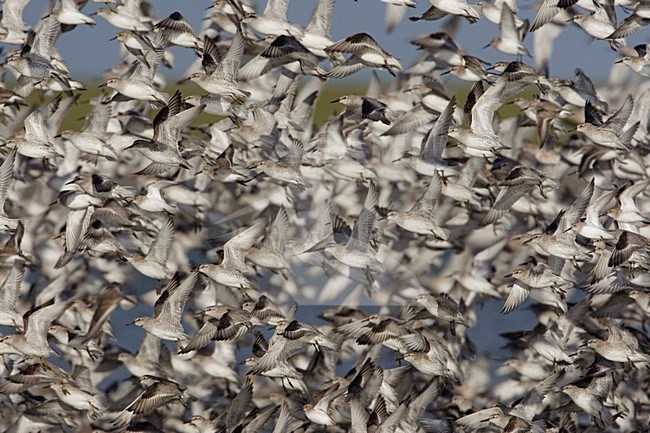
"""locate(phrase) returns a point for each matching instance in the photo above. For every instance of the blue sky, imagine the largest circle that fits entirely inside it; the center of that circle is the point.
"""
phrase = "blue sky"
(89, 52)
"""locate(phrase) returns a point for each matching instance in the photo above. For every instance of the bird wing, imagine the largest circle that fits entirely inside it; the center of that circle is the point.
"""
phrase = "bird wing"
(545, 14)
(576, 210)
(628, 192)
(592, 115)
(280, 348)
(37, 320)
(276, 9)
(276, 235)
(149, 348)
(233, 250)
(531, 402)
(293, 158)
(507, 25)
(97, 123)
(10, 288)
(6, 174)
(617, 121)
(350, 66)
(355, 44)
(506, 198)
(428, 199)
(35, 123)
(517, 295)
(206, 334)
(48, 31)
(628, 26)
(434, 143)
(155, 396)
(321, 18)
(259, 66)
(229, 65)
(365, 222)
(172, 309)
(159, 250)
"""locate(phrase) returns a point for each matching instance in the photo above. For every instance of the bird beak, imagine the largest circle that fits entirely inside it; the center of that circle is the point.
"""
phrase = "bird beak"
(487, 46)
(335, 101)
(113, 38)
(446, 72)
(619, 61)
(184, 80)
(507, 276)
(102, 85)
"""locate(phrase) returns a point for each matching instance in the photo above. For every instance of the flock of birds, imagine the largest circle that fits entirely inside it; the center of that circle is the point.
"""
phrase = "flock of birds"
(394, 222)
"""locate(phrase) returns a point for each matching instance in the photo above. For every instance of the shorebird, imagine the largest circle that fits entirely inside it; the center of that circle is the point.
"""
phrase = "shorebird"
(359, 107)
(268, 312)
(177, 31)
(430, 160)
(14, 30)
(610, 133)
(230, 326)
(443, 308)
(442, 46)
(291, 337)
(162, 150)
(101, 187)
(366, 52)
(32, 341)
(92, 139)
(440, 8)
(32, 375)
(35, 60)
(230, 272)
(639, 63)
(519, 182)
(288, 168)
(269, 253)
(561, 242)
(600, 24)
(356, 253)
(139, 83)
(620, 346)
(166, 321)
(512, 38)
(273, 21)
(156, 263)
(637, 20)
(287, 52)
(540, 284)
(420, 218)
(222, 79)
(68, 13)
(159, 392)
(591, 400)
(518, 416)
(37, 141)
(316, 37)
